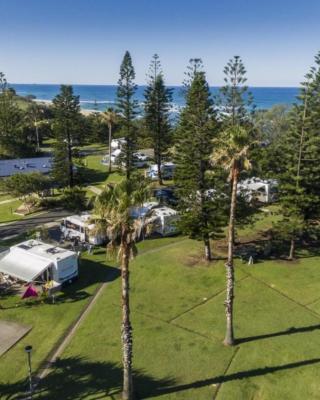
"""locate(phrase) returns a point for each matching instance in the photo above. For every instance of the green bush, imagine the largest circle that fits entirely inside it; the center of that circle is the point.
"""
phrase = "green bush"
(74, 199)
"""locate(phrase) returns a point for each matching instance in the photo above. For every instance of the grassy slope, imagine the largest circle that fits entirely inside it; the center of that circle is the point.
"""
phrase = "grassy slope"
(178, 319)
(6, 209)
(97, 174)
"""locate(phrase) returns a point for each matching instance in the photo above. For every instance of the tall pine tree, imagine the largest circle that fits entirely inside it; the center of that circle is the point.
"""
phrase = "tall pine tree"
(197, 189)
(235, 100)
(12, 141)
(157, 118)
(127, 107)
(67, 117)
(300, 174)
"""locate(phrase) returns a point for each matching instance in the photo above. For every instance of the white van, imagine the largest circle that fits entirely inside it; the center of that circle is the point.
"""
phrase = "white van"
(167, 171)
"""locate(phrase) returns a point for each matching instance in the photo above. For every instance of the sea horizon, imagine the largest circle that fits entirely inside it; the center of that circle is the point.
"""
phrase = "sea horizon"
(98, 97)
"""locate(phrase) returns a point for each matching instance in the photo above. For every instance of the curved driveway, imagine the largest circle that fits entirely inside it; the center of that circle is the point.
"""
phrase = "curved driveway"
(23, 225)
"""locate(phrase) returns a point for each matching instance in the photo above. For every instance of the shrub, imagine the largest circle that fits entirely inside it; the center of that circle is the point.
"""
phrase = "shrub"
(74, 199)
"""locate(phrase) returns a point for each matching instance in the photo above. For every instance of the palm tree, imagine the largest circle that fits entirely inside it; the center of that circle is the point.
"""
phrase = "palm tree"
(113, 209)
(111, 118)
(35, 118)
(231, 153)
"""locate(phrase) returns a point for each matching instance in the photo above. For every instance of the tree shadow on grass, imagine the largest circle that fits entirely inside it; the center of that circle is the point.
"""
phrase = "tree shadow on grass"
(78, 378)
(233, 377)
(94, 176)
(90, 273)
(289, 331)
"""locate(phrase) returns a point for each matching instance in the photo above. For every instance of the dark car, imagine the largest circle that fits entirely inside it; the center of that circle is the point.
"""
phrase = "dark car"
(165, 196)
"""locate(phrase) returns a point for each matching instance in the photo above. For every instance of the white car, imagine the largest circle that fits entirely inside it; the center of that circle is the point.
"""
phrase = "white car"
(167, 171)
(141, 156)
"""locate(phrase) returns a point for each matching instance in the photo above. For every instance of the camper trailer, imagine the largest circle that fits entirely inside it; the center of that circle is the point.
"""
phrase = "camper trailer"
(262, 190)
(35, 260)
(115, 156)
(163, 221)
(167, 171)
(82, 228)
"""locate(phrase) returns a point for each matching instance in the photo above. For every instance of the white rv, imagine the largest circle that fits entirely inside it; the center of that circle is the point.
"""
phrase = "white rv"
(163, 221)
(167, 171)
(36, 261)
(263, 190)
(118, 143)
(115, 156)
(82, 228)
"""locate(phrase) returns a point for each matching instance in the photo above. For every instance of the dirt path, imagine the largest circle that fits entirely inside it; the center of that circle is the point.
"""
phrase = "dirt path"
(66, 340)
(8, 201)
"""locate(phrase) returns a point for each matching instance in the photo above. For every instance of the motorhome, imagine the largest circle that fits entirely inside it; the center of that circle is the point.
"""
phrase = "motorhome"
(262, 190)
(82, 228)
(167, 171)
(162, 221)
(36, 261)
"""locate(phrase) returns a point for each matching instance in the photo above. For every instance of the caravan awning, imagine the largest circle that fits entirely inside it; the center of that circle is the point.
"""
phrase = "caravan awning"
(25, 267)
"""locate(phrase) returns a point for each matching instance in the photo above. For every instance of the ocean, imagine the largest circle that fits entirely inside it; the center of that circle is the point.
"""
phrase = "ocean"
(101, 97)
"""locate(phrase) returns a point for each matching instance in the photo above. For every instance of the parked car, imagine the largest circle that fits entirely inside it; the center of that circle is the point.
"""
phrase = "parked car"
(165, 196)
(141, 156)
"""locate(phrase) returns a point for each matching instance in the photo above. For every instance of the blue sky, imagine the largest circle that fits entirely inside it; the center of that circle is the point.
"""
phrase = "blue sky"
(83, 41)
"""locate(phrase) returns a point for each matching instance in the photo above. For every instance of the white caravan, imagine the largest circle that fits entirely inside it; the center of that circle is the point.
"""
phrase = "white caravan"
(36, 261)
(162, 220)
(263, 190)
(82, 228)
(118, 143)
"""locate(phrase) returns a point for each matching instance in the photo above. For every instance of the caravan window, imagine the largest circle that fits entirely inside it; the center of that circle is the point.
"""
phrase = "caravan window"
(70, 225)
(262, 190)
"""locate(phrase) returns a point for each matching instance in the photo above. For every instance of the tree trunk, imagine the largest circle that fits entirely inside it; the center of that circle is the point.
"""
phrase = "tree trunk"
(159, 169)
(69, 145)
(292, 249)
(207, 249)
(37, 137)
(126, 329)
(110, 138)
(229, 338)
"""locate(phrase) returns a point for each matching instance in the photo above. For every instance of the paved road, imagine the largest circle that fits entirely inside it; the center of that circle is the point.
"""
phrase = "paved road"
(17, 227)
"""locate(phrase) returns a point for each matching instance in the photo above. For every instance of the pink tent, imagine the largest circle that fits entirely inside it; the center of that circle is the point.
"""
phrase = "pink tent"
(30, 292)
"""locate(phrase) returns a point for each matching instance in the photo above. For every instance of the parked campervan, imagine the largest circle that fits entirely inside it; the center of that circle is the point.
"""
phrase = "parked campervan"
(81, 227)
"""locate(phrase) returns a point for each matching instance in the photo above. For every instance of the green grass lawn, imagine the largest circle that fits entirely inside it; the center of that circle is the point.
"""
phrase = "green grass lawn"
(4, 196)
(178, 324)
(7, 211)
(178, 321)
(96, 173)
